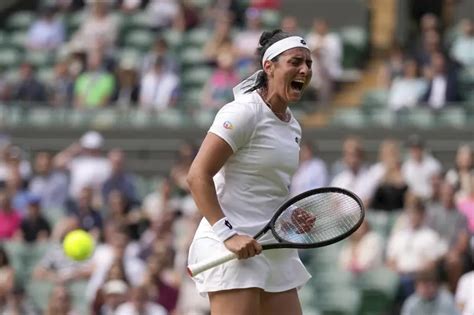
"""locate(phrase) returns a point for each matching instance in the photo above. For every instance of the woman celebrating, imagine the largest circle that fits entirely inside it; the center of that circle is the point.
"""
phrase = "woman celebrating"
(241, 175)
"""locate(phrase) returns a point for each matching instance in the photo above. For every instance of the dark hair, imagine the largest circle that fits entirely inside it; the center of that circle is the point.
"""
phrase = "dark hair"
(266, 40)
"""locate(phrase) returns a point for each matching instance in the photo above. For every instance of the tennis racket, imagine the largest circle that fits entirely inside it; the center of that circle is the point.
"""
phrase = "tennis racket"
(315, 218)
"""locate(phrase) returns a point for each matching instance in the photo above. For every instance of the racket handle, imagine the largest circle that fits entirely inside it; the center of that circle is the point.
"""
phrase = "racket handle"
(199, 267)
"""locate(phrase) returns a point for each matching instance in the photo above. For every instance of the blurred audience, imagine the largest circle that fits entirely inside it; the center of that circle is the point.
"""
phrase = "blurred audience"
(406, 90)
(419, 167)
(159, 88)
(460, 175)
(34, 227)
(94, 88)
(218, 89)
(10, 218)
(139, 303)
(48, 183)
(363, 252)
(429, 297)
(326, 49)
(60, 302)
(28, 88)
(47, 32)
(461, 49)
(464, 297)
(312, 171)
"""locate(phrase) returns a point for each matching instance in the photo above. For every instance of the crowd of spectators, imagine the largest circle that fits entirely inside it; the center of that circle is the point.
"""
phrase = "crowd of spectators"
(431, 241)
(425, 71)
(142, 240)
(94, 67)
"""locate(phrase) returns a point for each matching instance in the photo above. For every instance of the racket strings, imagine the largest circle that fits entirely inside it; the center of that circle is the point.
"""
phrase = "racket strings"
(334, 214)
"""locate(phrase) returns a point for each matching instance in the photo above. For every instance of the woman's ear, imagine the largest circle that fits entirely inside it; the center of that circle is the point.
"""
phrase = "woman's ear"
(268, 67)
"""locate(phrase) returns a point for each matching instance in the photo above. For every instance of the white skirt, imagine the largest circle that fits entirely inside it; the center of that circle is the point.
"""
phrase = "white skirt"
(274, 270)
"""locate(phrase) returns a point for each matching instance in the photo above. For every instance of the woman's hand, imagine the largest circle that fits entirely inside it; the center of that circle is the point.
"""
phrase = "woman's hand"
(243, 246)
(302, 220)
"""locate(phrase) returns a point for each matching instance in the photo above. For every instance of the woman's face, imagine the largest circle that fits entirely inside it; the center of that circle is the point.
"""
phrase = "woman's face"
(290, 75)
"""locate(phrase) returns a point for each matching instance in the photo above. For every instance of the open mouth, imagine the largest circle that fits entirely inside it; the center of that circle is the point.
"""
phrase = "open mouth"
(297, 85)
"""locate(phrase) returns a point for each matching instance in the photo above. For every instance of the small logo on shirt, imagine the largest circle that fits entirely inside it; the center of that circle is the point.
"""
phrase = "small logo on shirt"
(297, 140)
(228, 125)
(303, 42)
(227, 223)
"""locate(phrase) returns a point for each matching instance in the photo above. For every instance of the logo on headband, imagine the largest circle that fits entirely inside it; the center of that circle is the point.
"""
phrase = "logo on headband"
(303, 42)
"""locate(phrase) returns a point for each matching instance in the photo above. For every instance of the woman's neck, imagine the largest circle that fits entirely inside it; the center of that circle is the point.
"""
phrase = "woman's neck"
(276, 105)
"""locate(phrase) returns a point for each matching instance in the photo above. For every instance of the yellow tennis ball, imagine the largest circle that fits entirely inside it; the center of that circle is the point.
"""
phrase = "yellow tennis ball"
(78, 245)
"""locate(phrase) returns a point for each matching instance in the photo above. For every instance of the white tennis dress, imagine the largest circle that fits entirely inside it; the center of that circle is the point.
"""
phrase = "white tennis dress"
(251, 185)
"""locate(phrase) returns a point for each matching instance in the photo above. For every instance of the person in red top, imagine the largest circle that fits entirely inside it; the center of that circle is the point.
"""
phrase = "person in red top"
(9, 218)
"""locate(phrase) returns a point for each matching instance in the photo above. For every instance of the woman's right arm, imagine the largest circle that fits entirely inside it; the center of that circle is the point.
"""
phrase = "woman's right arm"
(212, 155)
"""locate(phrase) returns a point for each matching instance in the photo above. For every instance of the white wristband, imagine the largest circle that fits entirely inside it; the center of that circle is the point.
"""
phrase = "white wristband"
(223, 229)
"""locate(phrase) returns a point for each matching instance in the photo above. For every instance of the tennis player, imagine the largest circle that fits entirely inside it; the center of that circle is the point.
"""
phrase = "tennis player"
(241, 175)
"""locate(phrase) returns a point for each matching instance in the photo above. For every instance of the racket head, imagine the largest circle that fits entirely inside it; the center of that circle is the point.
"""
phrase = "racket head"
(338, 213)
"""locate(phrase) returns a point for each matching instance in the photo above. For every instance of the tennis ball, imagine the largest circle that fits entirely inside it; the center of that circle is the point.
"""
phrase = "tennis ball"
(78, 245)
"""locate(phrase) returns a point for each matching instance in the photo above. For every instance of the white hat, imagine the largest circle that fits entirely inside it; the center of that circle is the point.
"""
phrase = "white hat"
(92, 140)
(115, 287)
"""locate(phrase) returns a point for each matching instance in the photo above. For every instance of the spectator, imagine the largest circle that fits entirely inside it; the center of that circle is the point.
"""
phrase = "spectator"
(413, 248)
(405, 91)
(460, 176)
(160, 279)
(52, 185)
(247, 39)
(158, 88)
(289, 24)
(429, 298)
(157, 202)
(86, 164)
(218, 89)
(7, 276)
(464, 297)
(312, 171)
(387, 179)
(19, 303)
(99, 28)
(34, 227)
(12, 159)
(61, 90)
(18, 192)
(187, 17)
(83, 210)
(326, 48)
(94, 88)
(47, 32)
(139, 303)
(162, 13)
(118, 250)
(220, 42)
(127, 91)
(442, 86)
(60, 302)
(120, 179)
(355, 176)
(451, 225)
(393, 66)
(9, 218)
(160, 49)
(430, 45)
(119, 210)
(461, 50)
(466, 206)
(363, 252)
(28, 88)
(115, 293)
(419, 168)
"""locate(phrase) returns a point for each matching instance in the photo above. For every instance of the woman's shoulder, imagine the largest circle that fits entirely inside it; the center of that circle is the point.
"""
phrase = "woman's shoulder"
(244, 104)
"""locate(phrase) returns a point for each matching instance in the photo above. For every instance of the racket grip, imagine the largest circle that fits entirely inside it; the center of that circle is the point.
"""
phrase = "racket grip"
(199, 267)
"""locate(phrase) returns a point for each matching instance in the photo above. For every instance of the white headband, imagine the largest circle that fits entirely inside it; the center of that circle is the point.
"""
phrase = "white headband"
(282, 46)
